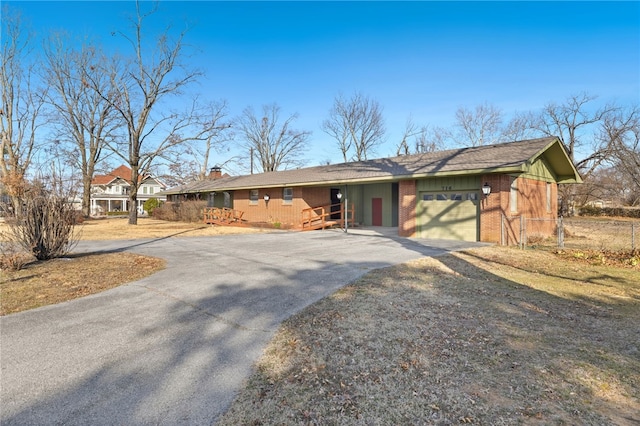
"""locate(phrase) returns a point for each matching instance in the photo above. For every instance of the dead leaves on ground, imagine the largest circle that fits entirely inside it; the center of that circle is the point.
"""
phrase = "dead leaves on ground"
(58, 280)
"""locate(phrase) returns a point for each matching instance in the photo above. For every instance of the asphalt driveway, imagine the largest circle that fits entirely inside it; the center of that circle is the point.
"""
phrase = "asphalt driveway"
(174, 348)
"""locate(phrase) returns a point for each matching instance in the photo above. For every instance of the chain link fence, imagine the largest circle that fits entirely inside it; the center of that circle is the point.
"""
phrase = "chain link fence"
(572, 233)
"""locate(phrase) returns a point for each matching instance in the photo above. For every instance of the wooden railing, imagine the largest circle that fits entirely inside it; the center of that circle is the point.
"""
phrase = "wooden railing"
(323, 217)
(222, 215)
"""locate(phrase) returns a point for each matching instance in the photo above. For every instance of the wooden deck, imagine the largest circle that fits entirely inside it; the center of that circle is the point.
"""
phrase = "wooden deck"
(223, 216)
(312, 218)
(323, 217)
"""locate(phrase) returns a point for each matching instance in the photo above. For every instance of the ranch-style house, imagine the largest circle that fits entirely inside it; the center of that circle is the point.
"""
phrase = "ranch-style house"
(472, 194)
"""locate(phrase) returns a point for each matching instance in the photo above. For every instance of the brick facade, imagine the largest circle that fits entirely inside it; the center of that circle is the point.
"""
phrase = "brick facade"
(535, 212)
(498, 224)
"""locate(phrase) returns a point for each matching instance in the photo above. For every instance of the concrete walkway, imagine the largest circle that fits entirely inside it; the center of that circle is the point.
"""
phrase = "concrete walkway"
(174, 348)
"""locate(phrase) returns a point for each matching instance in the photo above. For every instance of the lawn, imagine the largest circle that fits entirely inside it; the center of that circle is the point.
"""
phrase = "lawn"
(54, 281)
(491, 336)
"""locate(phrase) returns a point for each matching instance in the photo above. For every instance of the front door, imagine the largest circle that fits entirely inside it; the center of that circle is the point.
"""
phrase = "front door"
(376, 211)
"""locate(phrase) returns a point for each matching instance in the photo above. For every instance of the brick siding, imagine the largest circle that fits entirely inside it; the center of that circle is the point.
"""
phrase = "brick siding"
(495, 210)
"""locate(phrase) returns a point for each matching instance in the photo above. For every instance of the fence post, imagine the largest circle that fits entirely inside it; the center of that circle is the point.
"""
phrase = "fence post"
(560, 233)
(633, 236)
(502, 229)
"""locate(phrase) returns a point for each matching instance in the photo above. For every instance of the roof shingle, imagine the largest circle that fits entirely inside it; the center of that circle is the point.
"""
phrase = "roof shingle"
(506, 157)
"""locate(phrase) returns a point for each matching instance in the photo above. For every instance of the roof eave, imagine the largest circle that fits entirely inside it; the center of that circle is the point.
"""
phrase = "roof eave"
(342, 182)
(566, 172)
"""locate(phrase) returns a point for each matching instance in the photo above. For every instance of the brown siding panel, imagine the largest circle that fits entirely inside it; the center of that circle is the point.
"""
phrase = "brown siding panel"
(276, 211)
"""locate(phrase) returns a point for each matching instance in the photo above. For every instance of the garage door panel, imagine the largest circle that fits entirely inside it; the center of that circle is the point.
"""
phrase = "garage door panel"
(449, 215)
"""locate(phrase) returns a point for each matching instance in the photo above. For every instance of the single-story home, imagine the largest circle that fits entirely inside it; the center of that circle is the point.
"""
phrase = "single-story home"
(463, 194)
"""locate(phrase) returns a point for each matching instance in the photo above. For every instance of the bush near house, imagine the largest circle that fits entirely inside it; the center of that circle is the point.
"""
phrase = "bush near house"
(150, 205)
(187, 211)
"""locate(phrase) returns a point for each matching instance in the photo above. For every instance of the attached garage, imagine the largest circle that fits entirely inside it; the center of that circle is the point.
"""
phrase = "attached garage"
(449, 215)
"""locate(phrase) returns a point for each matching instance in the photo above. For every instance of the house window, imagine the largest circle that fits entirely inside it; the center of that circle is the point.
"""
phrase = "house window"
(456, 197)
(472, 196)
(513, 199)
(427, 197)
(144, 190)
(548, 196)
(253, 196)
(287, 196)
(441, 197)
(151, 190)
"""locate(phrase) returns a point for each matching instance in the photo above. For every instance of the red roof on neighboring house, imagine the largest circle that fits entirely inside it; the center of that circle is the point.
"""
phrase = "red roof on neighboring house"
(122, 172)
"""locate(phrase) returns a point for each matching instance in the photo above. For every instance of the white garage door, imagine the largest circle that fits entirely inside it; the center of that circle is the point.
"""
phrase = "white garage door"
(449, 215)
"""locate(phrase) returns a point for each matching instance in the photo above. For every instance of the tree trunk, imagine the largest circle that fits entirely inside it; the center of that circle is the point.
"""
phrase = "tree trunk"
(86, 196)
(133, 196)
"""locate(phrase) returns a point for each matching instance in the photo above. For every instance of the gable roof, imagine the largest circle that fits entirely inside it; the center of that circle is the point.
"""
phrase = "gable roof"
(513, 157)
(122, 172)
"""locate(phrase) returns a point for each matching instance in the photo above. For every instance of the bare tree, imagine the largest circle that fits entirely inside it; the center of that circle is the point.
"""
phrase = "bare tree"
(422, 139)
(576, 122)
(356, 124)
(275, 143)
(520, 127)
(209, 133)
(216, 132)
(86, 121)
(482, 126)
(22, 111)
(609, 184)
(136, 92)
(575, 125)
(620, 129)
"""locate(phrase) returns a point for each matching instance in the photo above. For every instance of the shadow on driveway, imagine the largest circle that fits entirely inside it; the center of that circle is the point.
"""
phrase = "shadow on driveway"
(174, 348)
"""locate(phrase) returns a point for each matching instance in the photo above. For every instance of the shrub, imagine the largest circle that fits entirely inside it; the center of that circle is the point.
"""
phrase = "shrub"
(44, 224)
(609, 211)
(150, 205)
(187, 211)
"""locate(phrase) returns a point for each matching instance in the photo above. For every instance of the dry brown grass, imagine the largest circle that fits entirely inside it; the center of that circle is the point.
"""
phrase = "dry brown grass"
(45, 283)
(58, 280)
(118, 229)
(493, 336)
(601, 233)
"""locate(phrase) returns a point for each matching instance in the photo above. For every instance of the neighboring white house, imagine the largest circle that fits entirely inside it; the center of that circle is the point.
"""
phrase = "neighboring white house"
(110, 192)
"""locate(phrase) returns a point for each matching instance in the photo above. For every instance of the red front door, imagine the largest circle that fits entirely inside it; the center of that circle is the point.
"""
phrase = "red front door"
(376, 211)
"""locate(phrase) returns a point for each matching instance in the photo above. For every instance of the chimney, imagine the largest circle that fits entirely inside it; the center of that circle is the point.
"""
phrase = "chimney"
(215, 172)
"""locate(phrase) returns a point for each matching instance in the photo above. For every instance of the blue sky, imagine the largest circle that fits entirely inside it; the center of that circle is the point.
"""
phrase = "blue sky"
(423, 59)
